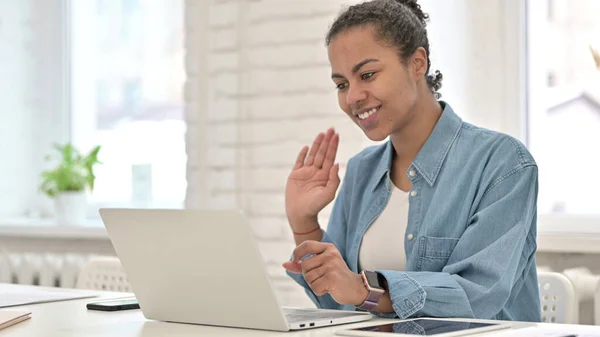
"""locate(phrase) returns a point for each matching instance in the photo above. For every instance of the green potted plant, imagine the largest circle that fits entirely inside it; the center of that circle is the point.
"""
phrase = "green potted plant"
(69, 182)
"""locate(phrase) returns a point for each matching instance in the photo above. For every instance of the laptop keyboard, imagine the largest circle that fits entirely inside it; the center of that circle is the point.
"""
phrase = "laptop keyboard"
(302, 315)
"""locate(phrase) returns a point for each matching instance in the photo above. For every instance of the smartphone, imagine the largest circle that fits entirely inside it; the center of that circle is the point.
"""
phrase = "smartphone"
(114, 305)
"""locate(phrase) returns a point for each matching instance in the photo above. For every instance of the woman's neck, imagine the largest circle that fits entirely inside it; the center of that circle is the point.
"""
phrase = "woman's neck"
(409, 141)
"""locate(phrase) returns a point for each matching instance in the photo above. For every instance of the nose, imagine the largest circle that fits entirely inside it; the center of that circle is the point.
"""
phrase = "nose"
(355, 95)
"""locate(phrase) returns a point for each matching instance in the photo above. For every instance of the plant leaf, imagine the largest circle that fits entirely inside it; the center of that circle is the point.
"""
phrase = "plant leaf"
(74, 171)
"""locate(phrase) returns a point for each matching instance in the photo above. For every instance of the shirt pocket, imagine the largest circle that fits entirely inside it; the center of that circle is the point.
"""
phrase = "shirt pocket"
(434, 252)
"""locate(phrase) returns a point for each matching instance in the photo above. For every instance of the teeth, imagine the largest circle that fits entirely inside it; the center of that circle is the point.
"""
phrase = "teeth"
(366, 114)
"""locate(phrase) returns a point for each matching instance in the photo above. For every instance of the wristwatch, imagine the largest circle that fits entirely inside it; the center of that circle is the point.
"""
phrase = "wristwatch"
(374, 283)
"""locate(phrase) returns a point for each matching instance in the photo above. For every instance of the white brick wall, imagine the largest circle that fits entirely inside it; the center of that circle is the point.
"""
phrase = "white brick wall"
(267, 92)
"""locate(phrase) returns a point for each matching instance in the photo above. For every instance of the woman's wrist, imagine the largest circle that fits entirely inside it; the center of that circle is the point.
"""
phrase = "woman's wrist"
(306, 229)
(318, 228)
(360, 291)
(305, 225)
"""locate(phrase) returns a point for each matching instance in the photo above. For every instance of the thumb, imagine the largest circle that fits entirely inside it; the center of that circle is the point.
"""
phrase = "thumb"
(334, 178)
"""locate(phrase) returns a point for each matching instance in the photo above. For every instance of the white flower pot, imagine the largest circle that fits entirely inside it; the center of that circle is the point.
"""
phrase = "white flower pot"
(71, 208)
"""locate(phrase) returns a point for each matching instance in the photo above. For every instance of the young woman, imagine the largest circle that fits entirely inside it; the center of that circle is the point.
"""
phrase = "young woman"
(438, 221)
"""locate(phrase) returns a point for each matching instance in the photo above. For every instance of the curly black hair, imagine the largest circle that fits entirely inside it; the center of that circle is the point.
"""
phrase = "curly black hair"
(398, 23)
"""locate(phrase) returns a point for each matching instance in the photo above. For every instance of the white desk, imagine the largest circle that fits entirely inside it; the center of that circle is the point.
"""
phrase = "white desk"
(71, 318)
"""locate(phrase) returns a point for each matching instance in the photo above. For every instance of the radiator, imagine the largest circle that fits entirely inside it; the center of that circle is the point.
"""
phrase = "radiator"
(44, 269)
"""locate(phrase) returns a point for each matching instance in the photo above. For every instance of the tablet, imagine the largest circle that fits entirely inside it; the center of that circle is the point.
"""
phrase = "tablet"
(424, 327)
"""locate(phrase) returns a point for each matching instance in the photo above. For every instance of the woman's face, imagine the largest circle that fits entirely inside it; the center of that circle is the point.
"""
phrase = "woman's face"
(375, 88)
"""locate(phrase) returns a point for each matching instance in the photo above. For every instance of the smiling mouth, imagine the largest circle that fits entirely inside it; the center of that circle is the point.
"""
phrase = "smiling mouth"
(367, 114)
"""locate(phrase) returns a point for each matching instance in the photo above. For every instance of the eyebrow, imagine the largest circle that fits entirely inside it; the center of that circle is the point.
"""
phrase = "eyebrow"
(356, 68)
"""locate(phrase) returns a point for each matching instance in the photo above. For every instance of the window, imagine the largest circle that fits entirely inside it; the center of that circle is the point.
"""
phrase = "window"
(126, 82)
(563, 128)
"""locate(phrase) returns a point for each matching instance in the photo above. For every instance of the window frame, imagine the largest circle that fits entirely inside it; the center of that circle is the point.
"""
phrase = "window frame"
(576, 233)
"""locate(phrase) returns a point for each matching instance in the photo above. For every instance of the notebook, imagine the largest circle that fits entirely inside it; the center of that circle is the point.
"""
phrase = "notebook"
(12, 317)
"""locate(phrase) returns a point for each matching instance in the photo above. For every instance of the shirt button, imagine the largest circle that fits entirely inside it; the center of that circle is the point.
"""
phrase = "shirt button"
(413, 193)
(412, 173)
(410, 237)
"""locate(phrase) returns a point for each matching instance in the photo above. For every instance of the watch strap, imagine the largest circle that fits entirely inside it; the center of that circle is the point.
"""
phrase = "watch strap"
(372, 299)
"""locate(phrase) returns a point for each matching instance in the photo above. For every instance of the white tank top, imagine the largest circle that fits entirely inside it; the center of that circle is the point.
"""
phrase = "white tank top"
(382, 246)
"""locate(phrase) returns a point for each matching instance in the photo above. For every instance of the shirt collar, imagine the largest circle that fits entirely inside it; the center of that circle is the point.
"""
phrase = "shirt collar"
(431, 157)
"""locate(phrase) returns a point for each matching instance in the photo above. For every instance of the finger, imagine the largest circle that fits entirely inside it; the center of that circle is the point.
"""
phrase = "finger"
(320, 157)
(334, 178)
(301, 157)
(315, 274)
(331, 151)
(313, 149)
(309, 247)
(321, 285)
(293, 267)
(313, 262)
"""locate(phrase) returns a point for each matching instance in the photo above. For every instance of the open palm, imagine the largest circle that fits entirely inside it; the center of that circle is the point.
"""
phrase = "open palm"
(314, 179)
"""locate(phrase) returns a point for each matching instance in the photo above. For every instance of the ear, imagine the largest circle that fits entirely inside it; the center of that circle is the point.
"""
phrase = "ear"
(419, 63)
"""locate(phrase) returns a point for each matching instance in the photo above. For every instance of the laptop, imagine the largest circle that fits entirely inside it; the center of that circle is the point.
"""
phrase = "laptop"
(204, 267)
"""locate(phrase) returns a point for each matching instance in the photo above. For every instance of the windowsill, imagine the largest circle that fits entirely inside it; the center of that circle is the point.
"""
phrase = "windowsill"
(560, 233)
(564, 242)
(48, 229)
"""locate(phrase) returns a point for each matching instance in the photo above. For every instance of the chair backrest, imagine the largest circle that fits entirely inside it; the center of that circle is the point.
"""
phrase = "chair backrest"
(103, 273)
(585, 283)
(557, 297)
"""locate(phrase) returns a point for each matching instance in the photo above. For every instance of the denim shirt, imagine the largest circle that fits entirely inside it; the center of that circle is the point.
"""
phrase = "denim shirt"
(470, 241)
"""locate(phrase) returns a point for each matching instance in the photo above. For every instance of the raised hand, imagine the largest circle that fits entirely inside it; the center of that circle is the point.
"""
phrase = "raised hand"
(313, 181)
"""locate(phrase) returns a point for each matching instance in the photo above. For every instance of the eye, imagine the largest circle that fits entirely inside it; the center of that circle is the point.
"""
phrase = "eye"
(367, 76)
(341, 86)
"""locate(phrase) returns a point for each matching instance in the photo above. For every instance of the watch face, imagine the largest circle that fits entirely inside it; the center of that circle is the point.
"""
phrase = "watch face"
(373, 279)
